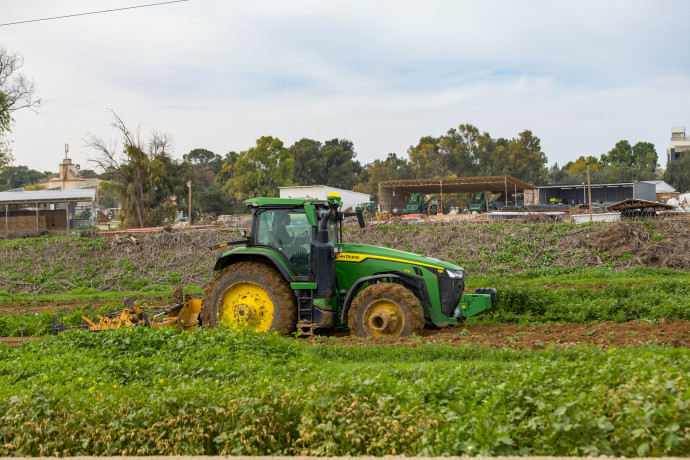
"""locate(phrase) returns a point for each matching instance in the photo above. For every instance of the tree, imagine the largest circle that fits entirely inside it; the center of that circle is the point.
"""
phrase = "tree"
(678, 173)
(645, 161)
(625, 162)
(151, 184)
(556, 174)
(260, 170)
(460, 150)
(205, 158)
(621, 154)
(310, 162)
(16, 92)
(19, 176)
(209, 196)
(227, 169)
(426, 159)
(108, 194)
(526, 161)
(580, 165)
(392, 168)
(466, 151)
(342, 169)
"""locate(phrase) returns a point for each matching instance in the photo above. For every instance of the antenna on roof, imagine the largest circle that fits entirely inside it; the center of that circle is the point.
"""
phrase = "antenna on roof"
(66, 150)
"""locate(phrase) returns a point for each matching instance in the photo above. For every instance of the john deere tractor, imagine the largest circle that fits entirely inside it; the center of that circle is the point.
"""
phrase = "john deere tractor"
(295, 273)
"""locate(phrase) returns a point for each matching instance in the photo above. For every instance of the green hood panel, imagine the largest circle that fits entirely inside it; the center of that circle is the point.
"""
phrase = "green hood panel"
(358, 252)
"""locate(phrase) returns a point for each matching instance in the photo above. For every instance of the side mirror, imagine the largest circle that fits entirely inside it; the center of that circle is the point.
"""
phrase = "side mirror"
(358, 213)
(360, 217)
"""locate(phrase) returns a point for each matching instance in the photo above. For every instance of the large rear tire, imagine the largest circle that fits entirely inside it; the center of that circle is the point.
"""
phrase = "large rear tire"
(250, 294)
(386, 310)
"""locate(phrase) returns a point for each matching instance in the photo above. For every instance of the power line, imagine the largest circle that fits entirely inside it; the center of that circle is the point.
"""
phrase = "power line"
(92, 12)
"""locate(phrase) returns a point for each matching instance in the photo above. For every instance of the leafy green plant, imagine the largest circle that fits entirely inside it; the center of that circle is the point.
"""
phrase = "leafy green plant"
(222, 392)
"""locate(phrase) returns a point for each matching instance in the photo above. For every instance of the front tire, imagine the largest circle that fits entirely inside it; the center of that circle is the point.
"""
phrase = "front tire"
(250, 294)
(386, 310)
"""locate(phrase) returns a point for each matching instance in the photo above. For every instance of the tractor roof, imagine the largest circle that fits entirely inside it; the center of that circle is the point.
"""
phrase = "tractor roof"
(282, 202)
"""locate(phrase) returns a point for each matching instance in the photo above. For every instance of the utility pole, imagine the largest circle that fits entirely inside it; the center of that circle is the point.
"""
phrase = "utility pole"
(189, 214)
(589, 190)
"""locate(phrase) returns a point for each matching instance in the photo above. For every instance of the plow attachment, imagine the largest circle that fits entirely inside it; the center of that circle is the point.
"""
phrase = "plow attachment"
(183, 316)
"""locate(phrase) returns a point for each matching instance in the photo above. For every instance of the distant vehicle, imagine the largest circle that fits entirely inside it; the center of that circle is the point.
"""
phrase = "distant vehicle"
(419, 204)
(484, 202)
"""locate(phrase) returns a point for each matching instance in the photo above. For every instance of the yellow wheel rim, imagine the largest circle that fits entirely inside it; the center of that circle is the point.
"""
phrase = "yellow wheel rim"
(247, 304)
(384, 318)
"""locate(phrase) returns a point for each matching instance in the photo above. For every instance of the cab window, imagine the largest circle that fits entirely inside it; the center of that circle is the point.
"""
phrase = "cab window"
(288, 231)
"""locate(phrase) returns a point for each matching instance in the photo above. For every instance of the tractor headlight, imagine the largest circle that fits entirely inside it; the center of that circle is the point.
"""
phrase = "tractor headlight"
(456, 274)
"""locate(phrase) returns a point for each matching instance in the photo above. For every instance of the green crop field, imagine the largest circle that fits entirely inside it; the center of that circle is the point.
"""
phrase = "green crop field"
(159, 392)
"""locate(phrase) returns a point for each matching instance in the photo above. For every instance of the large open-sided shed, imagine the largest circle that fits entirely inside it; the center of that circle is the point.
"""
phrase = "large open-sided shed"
(394, 194)
(42, 210)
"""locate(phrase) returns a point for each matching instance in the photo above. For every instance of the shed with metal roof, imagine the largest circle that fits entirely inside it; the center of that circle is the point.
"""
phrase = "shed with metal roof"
(45, 210)
(395, 193)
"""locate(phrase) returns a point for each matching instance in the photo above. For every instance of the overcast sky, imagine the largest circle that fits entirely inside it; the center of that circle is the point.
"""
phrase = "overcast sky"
(218, 74)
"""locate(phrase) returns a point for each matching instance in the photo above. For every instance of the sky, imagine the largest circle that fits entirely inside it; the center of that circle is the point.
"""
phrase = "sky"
(219, 74)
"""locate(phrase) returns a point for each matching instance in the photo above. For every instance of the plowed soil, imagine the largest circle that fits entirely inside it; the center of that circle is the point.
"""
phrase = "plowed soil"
(608, 335)
(16, 342)
(675, 333)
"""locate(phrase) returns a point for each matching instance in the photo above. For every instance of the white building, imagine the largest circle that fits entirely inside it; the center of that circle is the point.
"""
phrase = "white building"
(320, 192)
(679, 143)
(661, 186)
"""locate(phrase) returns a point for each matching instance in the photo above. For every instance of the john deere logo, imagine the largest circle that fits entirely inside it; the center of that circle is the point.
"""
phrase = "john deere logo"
(350, 257)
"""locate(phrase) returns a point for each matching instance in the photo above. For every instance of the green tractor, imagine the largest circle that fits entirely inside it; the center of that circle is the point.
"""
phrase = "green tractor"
(484, 202)
(419, 204)
(296, 273)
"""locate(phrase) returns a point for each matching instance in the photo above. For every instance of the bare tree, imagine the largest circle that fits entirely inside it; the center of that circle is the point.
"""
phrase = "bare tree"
(141, 172)
(19, 92)
(16, 92)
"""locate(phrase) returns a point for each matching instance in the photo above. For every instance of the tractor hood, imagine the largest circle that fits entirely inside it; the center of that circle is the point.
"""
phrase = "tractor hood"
(360, 252)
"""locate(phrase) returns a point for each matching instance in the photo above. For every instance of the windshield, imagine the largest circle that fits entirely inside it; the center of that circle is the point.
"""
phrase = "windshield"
(288, 231)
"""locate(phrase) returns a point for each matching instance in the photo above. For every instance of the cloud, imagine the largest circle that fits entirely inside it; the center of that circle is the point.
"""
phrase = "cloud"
(219, 74)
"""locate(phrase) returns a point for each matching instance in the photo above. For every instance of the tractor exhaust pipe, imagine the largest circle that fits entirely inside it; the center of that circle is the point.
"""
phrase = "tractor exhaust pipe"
(322, 233)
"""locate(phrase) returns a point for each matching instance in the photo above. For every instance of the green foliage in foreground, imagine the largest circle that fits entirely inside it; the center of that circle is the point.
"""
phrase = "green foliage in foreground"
(588, 295)
(36, 325)
(158, 392)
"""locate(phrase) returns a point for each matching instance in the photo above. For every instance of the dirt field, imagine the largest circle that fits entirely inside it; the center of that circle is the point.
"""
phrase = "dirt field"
(16, 342)
(605, 334)
(601, 335)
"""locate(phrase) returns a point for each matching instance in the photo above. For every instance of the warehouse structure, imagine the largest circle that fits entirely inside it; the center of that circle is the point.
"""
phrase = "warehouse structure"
(46, 210)
(394, 194)
(576, 194)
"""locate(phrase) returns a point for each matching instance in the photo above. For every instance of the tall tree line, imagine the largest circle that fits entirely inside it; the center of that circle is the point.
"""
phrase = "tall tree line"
(623, 163)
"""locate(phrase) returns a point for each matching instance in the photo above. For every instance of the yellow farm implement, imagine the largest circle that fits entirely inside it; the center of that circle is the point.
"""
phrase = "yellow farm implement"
(183, 316)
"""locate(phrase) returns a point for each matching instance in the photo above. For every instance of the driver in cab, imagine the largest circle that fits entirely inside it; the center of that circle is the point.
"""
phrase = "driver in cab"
(280, 223)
